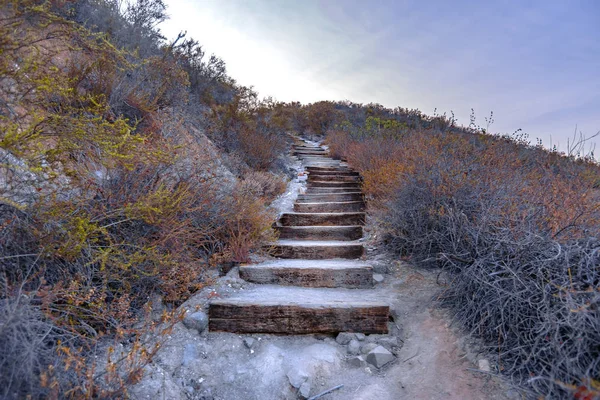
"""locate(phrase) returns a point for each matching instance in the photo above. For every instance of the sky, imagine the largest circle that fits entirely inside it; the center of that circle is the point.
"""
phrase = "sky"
(534, 64)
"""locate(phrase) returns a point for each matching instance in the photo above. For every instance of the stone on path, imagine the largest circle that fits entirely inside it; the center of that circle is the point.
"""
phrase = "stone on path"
(354, 347)
(344, 338)
(196, 320)
(379, 357)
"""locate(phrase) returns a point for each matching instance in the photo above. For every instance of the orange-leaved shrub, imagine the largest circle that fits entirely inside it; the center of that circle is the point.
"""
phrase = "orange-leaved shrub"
(515, 228)
(109, 196)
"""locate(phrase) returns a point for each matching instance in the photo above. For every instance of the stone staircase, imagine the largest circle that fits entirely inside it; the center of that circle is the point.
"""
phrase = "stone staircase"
(318, 284)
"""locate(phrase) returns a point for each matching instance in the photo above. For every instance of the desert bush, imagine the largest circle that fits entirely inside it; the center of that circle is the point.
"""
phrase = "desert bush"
(108, 196)
(264, 185)
(513, 227)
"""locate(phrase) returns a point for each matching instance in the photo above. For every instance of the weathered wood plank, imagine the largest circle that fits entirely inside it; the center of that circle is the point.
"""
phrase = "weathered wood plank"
(297, 319)
(322, 219)
(321, 251)
(335, 178)
(342, 206)
(330, 197)
(354, 277)
(353, 232)
(337, 184)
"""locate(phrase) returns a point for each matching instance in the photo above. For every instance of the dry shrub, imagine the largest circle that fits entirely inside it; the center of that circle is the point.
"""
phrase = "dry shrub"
(265, 185)
(248, 223)
(515, 228)
(98, 213)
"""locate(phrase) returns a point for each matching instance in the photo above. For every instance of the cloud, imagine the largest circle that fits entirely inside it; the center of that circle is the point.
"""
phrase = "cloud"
(535, 65)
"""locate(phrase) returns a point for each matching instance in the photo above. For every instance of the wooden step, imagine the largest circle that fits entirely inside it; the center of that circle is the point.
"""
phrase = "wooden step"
(311, 152)
(334, 173)
(310, 273)
(304, 147)
(316, 250)
(322, 219)
(325, 190)
(351, 232)
(338, 184)
(336, 207)
(330, 197)
(331, 164)
(320, 169)
(333, 178)
(291, 310)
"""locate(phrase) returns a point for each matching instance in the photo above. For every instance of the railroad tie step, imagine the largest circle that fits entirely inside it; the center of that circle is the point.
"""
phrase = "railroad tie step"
(333, 178)
(310, 273)
(351, 232)
(324, 190)
(330, 197)
(322, 219)
(316, 250)
(337, 184)
(297, 310)
(331, 207)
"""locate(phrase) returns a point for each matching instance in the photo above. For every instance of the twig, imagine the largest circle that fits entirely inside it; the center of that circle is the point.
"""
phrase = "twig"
(480, 371)
(325, 392)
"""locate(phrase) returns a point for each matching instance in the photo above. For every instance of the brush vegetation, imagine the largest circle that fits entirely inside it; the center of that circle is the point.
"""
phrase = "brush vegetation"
(130, 166)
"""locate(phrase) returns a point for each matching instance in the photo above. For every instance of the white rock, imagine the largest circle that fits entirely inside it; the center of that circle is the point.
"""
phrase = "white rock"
(344, 338)
(379, 357)
(197, 320)
(249, 342)
(484, 365)
(367, 347)
(357, 361)
(378, 278)
(353, 347)
(297, 377)
(304, 391)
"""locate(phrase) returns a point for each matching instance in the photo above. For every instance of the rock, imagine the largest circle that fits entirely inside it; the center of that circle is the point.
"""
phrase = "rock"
(344, 338)
(353, 347)
(197, 320)
(360, 336)
(249, 342)
(388, 342)
(379, 356)
(484, 365)
(297, 377)
(357, 361)
(367, 347)
(378, 278)
(304, 390)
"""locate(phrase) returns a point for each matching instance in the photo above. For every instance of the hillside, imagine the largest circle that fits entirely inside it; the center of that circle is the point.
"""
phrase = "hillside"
(135, 173)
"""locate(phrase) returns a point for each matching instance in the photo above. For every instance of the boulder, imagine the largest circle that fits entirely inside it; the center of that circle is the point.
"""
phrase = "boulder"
(379, 356)
(353, 347)
(344, 338)
(367, 347)
(197, 320)
(356, 361)
(297, 377)
(249, 342)
(304, 390)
